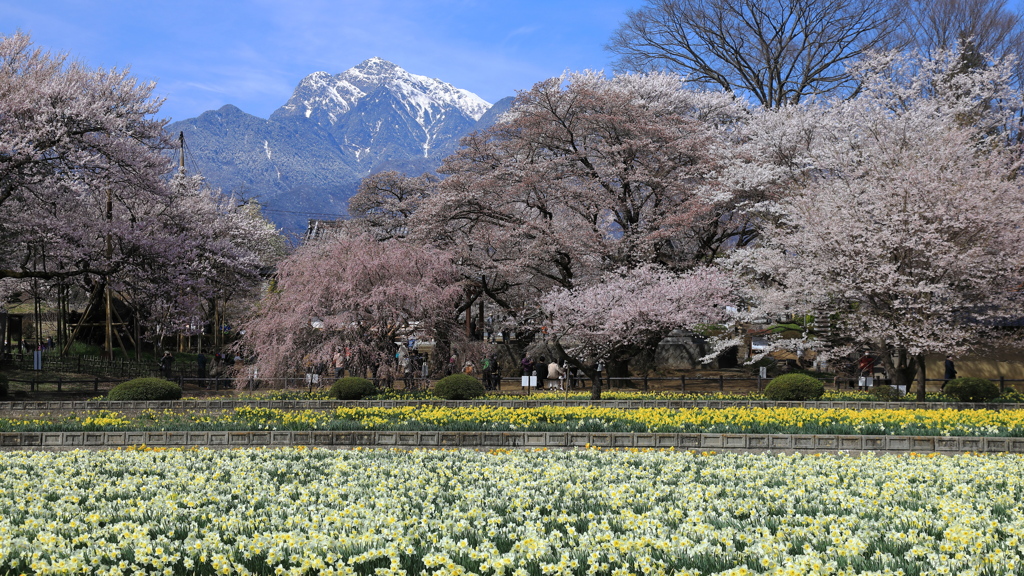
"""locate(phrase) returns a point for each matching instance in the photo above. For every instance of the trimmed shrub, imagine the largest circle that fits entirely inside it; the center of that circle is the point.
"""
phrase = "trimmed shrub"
(796, 387)
(458, 387)
(352, 388)
(145, 389)
(971, 389)
(884, 392)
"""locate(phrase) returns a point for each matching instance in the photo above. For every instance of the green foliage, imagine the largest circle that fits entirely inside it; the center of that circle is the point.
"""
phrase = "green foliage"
(352, 388)
(884, 393)
(798, 387)
(145, 389)
(1011, 396)
(971, 389)
(458, 387)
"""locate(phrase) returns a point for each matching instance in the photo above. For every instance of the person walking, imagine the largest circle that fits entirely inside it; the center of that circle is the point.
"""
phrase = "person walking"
(950, 372)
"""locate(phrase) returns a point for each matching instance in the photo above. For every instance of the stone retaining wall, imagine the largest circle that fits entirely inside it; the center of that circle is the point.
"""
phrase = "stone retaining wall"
(486, 440)
(23, 408)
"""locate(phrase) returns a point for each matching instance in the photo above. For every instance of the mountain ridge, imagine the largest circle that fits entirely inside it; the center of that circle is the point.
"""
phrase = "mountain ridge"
(309, 156)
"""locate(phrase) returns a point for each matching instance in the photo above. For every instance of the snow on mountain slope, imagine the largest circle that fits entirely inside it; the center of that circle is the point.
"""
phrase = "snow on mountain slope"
(325, 96)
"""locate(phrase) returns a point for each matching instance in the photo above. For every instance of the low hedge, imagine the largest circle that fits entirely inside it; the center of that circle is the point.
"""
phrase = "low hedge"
(971, 389)
(795, 387)
(458, 387)
(145, 389)
(352, 388)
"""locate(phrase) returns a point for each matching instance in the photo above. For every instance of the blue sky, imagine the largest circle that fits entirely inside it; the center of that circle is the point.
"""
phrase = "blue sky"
(204, 54)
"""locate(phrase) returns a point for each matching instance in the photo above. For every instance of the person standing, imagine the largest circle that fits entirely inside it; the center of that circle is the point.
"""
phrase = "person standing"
(495, 373)
(165, 364)
(201, 365)
(338, 363)
(485, 367)
(555, 374)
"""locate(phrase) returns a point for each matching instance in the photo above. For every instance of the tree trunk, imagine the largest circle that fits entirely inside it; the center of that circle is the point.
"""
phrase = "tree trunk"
(921, 377)
(595, 391)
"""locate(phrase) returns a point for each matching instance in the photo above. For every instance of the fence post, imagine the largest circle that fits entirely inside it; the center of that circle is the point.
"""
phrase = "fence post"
(645, 383)
(96, 384)
(758, 381)
(721, 383)
(682, 383)
(58, 385)
(1002, 384)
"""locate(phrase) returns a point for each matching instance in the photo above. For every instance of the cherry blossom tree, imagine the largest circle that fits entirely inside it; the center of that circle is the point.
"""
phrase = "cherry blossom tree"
(220, 250)
(356, 293)
(80, 156)
(386, 200)
(584, 176)
(631, 310)
(907, 219)
(85, 199)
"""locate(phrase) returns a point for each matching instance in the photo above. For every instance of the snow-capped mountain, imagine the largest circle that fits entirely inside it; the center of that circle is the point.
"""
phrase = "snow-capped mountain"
(308, 158)
(333, 96)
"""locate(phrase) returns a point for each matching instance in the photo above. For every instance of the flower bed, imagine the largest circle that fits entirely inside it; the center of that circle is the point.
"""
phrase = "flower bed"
(733, 420)
(296, 511)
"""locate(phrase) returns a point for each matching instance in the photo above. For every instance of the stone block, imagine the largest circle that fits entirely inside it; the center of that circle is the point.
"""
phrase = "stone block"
(713, 441)
(851, 442)
(997, 445)
(758, 442)
(578, 439)
(643, 440)
(688, 441)
(666, 440)
(557, 439)
(239, 438)
(197, 438)
(972, 444)
(94, 439)
(622, 440)
(826, 442)
(114, 439)
(922, 444)
(738, 441)
(803, 442)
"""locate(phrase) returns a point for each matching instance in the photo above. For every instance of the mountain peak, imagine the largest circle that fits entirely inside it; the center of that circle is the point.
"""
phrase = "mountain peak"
(326, 98)
(376, 67)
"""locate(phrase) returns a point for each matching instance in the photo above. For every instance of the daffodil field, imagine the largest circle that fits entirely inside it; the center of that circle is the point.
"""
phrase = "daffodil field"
(516, 513)
(739, 420)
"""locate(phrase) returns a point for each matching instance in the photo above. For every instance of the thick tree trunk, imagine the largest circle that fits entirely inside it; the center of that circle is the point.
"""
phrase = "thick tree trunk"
(921, 377)
(595, 390)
